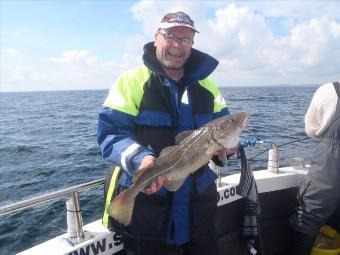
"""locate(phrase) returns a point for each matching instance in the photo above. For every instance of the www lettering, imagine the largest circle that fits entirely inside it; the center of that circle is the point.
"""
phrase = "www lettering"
(93, 248)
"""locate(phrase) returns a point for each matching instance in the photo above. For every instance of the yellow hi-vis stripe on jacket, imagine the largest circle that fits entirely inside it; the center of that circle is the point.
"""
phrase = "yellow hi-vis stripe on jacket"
(210, 85)
(127, 92)
(113, 186)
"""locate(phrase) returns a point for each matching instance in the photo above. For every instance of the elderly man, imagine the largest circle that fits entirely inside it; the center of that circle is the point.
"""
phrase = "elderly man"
(144, 111)
(319, 196)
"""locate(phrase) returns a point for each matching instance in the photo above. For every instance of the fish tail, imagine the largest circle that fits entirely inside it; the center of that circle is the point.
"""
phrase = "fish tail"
(121, 207)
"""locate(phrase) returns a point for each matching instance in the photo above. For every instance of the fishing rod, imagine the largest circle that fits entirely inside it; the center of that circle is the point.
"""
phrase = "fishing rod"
(281, 145)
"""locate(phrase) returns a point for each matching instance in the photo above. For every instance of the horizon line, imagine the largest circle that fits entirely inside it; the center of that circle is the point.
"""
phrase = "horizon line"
(220, 87)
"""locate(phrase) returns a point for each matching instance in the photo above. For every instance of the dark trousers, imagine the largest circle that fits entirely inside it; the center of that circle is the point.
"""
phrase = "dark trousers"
(201, 245)
(302, 244)
(334, 222)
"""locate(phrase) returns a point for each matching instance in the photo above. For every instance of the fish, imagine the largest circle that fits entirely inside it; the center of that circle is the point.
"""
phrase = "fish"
(193, 149)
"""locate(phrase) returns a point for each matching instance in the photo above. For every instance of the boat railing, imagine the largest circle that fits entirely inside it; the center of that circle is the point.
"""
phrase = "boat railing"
(273, 166)
(74, 190)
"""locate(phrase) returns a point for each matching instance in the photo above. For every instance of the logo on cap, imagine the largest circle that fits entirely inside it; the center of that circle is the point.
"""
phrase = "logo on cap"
(177, 19)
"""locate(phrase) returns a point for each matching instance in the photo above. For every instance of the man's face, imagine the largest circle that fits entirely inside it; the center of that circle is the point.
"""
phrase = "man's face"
(171, 53)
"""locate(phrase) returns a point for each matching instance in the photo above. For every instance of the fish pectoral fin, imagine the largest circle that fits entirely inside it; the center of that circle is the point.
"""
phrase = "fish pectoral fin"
(182, 136)
(139, 173)
(222, 157)
(174, 184)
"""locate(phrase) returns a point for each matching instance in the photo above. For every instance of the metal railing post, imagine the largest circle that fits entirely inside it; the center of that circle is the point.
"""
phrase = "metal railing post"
(218, 171)
(80, 231)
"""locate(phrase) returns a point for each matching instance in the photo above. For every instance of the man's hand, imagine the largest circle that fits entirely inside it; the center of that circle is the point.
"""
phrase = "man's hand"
(155, 186)
(148, 162)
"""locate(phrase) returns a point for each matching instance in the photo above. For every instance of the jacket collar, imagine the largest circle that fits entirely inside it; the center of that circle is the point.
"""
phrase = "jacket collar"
(198, 67)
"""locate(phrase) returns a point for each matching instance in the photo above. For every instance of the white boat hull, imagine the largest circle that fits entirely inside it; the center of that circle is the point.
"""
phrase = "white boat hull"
(276, 191)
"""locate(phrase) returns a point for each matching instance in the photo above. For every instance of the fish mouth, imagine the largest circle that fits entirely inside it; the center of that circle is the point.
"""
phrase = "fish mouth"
(245, 120)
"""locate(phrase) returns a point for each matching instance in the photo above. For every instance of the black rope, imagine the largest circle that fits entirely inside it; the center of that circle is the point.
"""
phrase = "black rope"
(281, 145)
(298, 140)
(259, 154)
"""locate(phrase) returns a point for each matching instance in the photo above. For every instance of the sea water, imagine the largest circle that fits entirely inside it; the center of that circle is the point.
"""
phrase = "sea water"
(48, 142)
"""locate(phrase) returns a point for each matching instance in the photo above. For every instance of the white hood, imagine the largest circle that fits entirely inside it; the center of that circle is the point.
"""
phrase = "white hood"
(321, 110)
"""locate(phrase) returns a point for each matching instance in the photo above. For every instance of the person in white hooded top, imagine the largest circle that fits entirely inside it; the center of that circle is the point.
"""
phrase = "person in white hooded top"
(319, 196)
(321, 111)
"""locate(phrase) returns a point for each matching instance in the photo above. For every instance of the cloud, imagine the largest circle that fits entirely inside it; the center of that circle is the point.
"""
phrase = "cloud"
(234, 34)
(294, 9)
(74, 69)
(150, 13)
(240, 35)
(76, 57)
(251, 54)
(316, 43)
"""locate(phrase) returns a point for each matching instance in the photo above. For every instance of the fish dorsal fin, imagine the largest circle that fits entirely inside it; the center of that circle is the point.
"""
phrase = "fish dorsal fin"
(174, 185)
(182, 136)
(215, 123)
(168, 150)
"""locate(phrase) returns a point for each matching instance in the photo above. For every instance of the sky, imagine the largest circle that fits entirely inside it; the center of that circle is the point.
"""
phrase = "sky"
(83, 45)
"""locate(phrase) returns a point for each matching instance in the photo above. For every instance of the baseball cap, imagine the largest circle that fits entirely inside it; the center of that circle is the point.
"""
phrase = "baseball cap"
(177, 19)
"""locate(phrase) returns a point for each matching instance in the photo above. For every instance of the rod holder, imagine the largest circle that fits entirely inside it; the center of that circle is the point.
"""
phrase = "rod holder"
(273, 159)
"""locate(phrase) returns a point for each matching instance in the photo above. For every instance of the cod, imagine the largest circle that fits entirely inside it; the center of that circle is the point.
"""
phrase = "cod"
(193, 149)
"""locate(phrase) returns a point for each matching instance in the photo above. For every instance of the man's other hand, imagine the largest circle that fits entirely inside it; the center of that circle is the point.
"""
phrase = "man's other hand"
(148, 162)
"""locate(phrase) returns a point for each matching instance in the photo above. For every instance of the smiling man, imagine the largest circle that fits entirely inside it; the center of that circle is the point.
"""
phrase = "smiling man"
(145, 109)
(173, 47)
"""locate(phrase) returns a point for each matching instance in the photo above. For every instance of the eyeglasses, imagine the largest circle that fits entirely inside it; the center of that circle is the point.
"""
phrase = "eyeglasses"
(171, 38)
